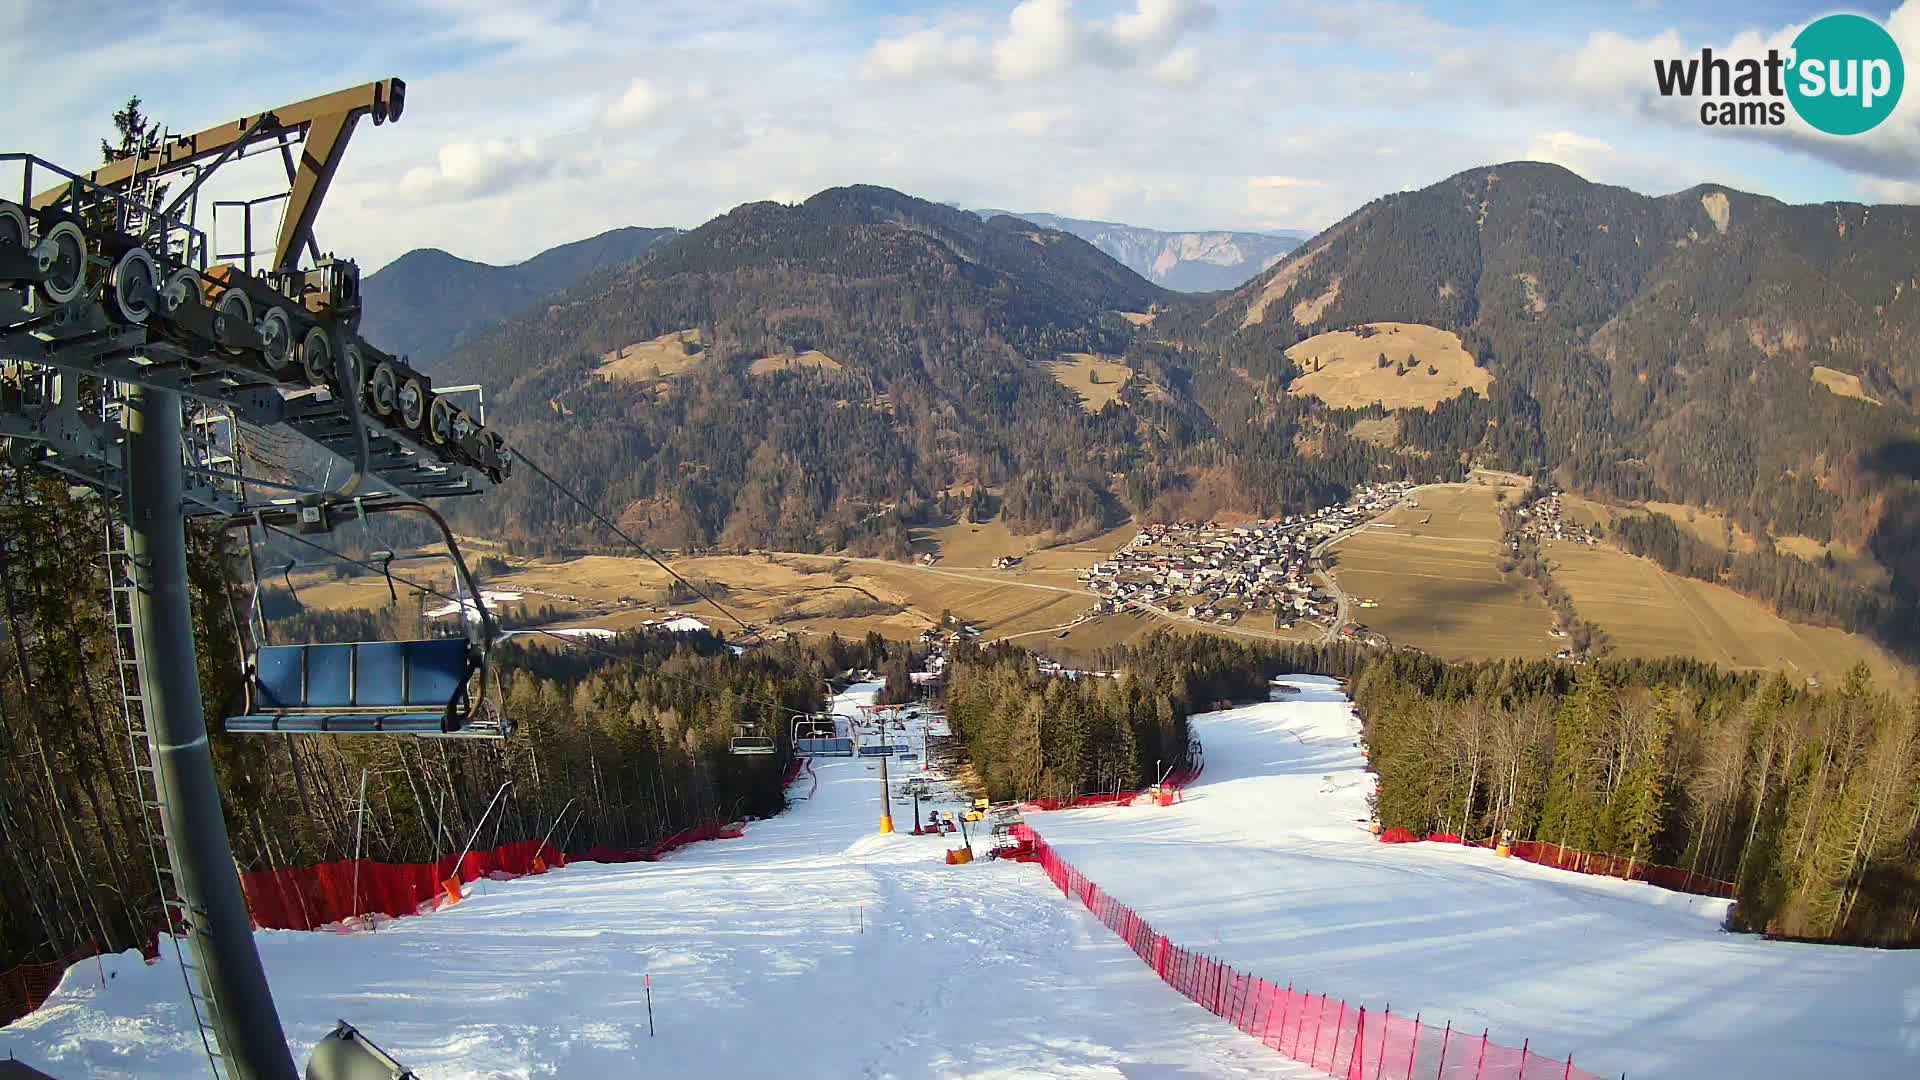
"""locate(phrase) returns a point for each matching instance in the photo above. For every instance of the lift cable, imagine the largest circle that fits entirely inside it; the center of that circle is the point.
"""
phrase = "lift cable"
(584, 643)
(523, 459)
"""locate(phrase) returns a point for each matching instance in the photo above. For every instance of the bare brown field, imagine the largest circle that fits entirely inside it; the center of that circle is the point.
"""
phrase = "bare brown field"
(1843, 384)
(1138, 318)
(1647, 612)
(980, 544)
(1710, 526)
(659, 358)
(1350, 375)
(1096, 379)
(1857, 564)
(1435, 575)
(812, 359)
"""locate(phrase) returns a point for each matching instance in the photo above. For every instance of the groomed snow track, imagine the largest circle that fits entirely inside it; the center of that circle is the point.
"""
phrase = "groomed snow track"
(809, 947)
(1267, 866)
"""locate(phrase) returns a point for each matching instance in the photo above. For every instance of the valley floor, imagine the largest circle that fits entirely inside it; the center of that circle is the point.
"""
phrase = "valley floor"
(1267, 866)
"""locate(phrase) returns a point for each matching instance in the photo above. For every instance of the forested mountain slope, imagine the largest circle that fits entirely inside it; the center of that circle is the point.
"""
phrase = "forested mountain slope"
(925, 332)
(1679, 348)
(427, 302)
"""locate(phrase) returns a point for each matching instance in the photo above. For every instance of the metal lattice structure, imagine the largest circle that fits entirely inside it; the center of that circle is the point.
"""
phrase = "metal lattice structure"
(134, 361)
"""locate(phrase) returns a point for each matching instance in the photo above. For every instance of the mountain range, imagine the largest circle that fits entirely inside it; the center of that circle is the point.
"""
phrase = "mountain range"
(427, 302)
(1191, 261)
(827, 374)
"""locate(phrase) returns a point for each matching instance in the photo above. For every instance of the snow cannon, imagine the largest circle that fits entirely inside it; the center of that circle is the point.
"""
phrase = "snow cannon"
(959, 856)
(1373, 827)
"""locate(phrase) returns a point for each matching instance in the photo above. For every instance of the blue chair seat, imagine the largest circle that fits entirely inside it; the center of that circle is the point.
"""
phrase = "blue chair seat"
(368, 687)
(338, 723)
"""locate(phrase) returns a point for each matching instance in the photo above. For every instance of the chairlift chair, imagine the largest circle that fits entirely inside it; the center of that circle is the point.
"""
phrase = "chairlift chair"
(431, 687)
(817, 735)
(744, 742)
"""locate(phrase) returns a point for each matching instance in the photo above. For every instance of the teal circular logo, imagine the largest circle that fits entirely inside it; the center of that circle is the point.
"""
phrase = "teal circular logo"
(1847, 74)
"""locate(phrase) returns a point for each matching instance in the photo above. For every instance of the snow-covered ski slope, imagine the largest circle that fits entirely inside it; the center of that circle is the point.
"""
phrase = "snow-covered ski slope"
(812, 947)
(1267, 866)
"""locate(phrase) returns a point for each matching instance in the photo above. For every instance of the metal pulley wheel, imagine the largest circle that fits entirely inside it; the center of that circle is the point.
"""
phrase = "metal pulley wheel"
(136, 286)
(13, 226)
(238, 309)
(181, 288)
(64, 253)
(412, 402)
(276, 340)
(440, 423)
(316, 357)
(383, 390)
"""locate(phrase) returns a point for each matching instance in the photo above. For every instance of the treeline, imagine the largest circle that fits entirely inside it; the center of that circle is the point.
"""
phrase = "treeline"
(1792, 586)
(634, 730)
(1809, 801)
(1055, 736)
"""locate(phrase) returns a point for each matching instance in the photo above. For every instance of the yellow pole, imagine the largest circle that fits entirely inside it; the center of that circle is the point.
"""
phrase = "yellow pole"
(886, 801)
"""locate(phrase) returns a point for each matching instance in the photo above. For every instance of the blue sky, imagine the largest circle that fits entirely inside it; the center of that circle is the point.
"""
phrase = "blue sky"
(531, 124)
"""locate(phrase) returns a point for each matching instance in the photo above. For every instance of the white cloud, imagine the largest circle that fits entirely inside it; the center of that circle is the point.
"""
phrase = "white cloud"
(638, 105)
(467, 170)
(1279, 202)
(1904, 192)
(1042, 38)
(928, 52)
(1583, 154)
(1182, 65)
(1037, 121)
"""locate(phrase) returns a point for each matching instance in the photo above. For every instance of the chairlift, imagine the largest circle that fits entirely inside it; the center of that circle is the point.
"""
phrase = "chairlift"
(817, 735)
(746, 743)
(431, 687)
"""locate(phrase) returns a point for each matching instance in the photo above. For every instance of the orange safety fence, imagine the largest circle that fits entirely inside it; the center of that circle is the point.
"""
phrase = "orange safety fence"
(1585, 862)
(25, 986)
(1319, 1030)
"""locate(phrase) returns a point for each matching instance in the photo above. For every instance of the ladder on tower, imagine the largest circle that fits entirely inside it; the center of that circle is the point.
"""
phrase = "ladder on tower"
(123, 584)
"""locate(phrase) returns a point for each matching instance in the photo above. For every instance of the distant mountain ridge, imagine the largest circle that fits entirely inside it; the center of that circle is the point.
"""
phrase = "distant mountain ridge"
(1199, 260)
(428, 302)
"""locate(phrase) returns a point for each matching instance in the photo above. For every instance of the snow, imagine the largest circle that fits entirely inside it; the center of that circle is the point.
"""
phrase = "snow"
(1267, 866)
(487, 596)
(685, 624)
(570, 631)
(811, 947)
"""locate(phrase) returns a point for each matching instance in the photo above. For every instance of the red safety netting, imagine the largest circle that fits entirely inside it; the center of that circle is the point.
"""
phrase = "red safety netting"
(709, 831)
(302, 898)
(1327, 1033)
(1586, 862)
(1171, 791)
(25, 986)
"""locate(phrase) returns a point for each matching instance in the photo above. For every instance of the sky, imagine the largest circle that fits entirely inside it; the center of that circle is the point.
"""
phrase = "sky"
(534, 124)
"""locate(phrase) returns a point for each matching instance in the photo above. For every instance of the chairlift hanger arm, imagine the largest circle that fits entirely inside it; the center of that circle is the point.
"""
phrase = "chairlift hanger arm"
(326, 123)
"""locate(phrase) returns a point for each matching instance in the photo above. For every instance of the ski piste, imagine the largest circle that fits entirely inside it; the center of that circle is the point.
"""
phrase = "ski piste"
(811, 947)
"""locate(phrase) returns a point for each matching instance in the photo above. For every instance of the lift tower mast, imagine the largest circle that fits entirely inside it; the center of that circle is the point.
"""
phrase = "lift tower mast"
(114, 331)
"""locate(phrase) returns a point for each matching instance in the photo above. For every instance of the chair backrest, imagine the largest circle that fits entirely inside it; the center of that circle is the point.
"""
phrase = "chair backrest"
(390, 675)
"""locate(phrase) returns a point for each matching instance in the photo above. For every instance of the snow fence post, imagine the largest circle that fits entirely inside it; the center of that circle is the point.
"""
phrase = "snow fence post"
(1259, 991)
(1380, 1059)
(1524, 1044)
(1286, 1007)
(1448, 1038)
(1483, 1054)
(1568, 1075)
(1357, 1061)
(1319, 1015)
(1333, 1044)
(649, 978)
(1413, 1046)
(1219, 989)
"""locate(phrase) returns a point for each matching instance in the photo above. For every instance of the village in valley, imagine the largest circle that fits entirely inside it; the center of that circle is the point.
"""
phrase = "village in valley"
(1223, 573)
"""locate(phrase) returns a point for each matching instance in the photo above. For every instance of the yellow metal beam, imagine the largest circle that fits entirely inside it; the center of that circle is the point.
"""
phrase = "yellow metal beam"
(326, 122)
